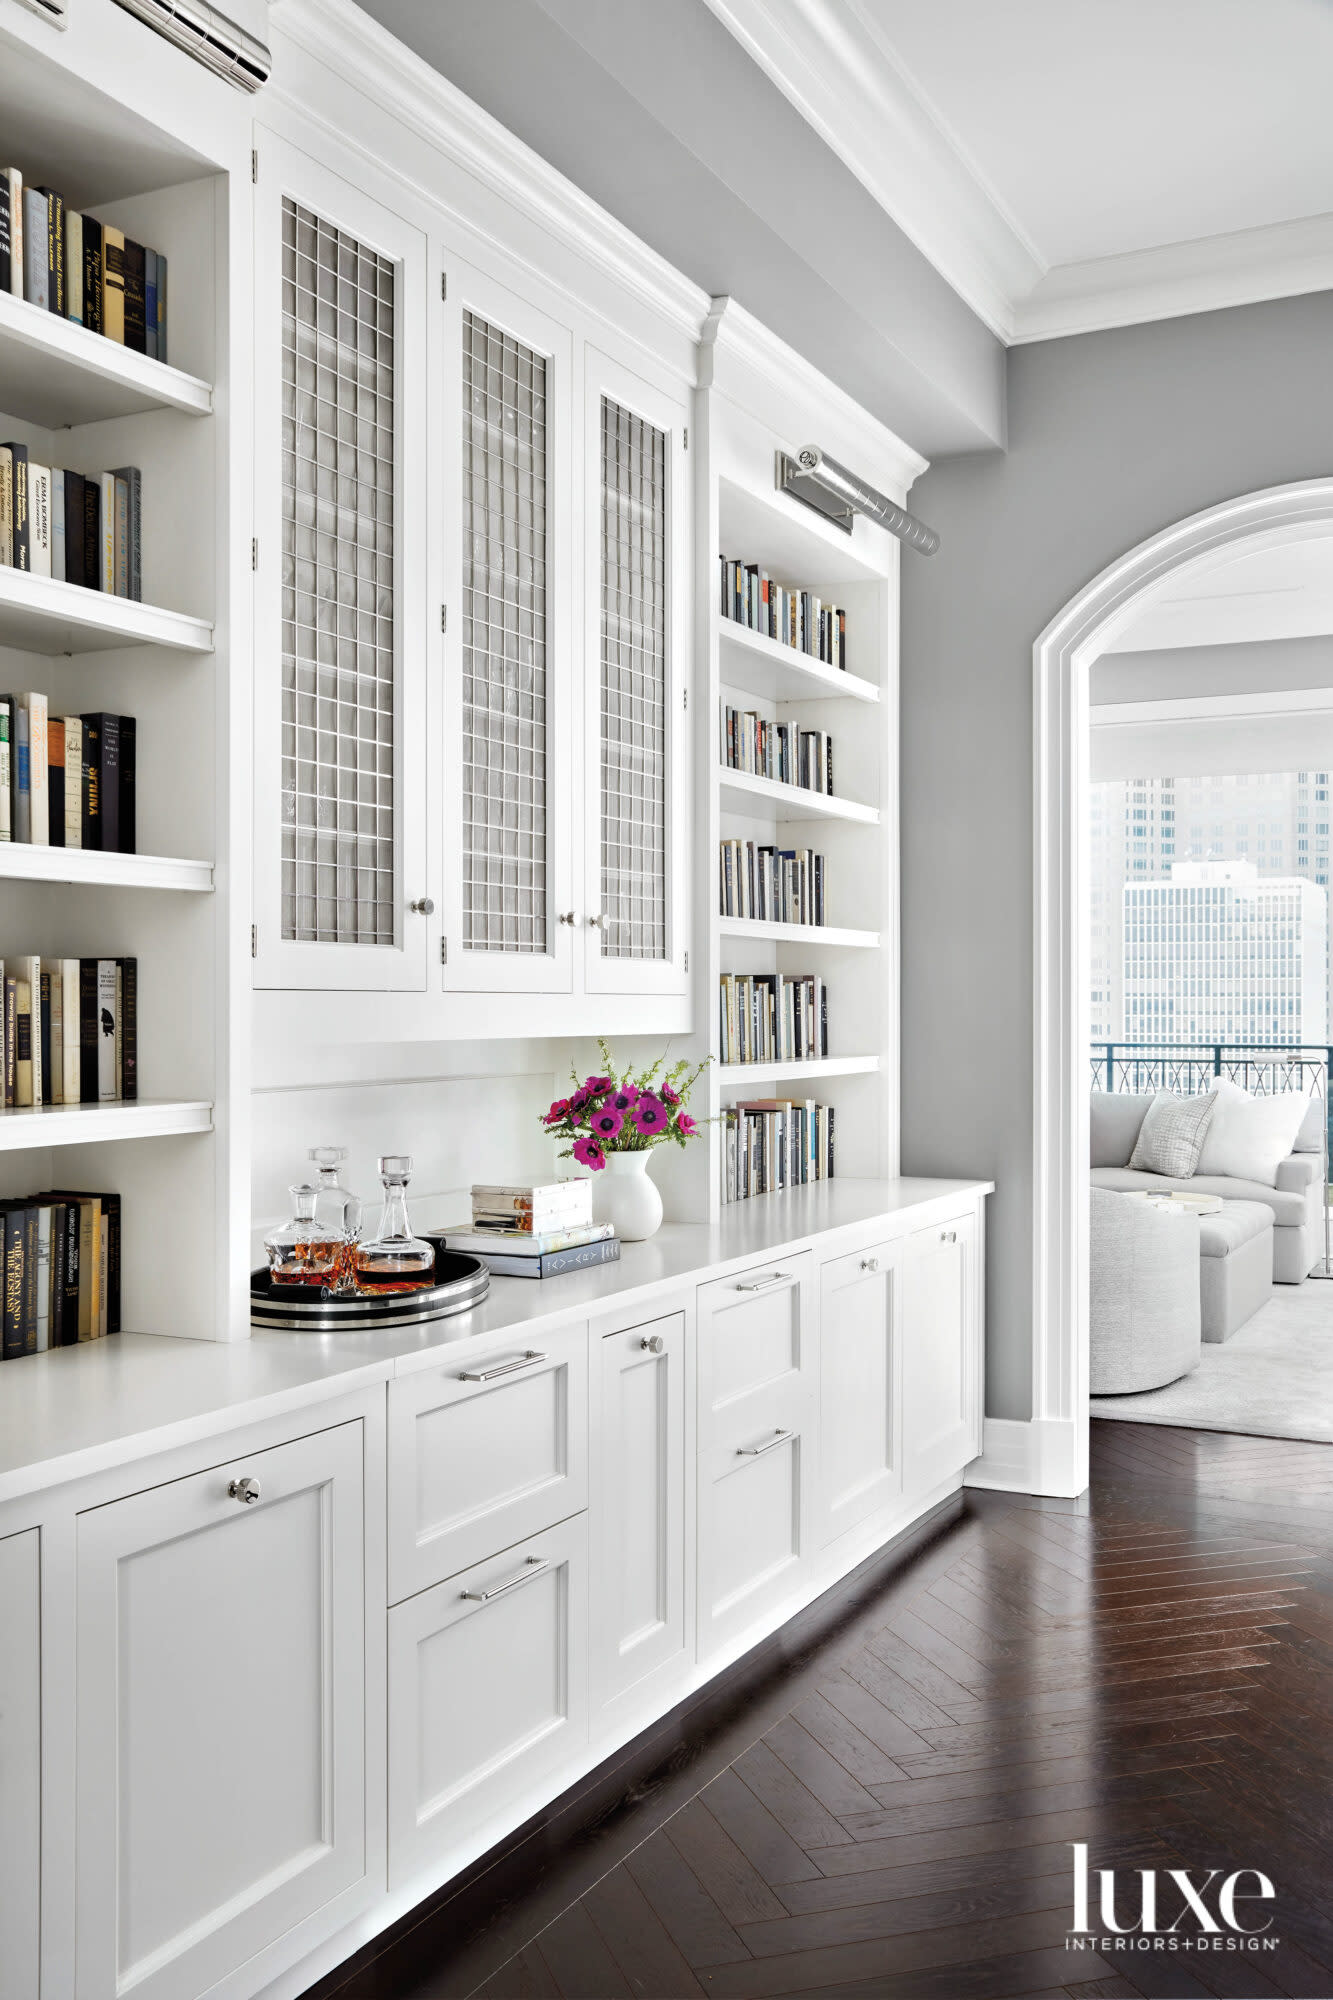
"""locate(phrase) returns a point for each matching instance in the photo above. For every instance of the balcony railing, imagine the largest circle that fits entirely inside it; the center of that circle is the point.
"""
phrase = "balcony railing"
(1191, 1068)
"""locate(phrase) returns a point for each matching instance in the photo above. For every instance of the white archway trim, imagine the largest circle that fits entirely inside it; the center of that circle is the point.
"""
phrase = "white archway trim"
(1054, 1456)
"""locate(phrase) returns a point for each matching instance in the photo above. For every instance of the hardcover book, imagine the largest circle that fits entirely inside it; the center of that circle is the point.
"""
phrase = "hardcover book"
(39, 519)
(6, 234)
(108, 1082)
(135, 326)
(92, 534)
(55, 780)
(35, 289)
(113, 283)
(74, 266)
(75, 570)
(556, 1264)
(150, 303)
(101, 738)
(132, 479)
(91, 830)
(58, 524)
(13, 181)
(39, 822)
(108, 534)
(6, 730)
(93, 317)
(73, 781)
(6, 499)
(55, 250)
(19, 525)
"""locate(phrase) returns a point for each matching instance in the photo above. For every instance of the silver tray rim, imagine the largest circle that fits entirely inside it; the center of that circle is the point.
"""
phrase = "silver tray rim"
(359, 1315)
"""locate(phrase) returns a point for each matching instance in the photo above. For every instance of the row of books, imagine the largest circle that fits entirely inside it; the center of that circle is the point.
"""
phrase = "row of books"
(751, 597)
(58, 523)
(772, 1017)
(61, 1257)
(82, 269)
(779, 750)
(71, 1031)
(773, 885)
(67, 780)
(775, 1143)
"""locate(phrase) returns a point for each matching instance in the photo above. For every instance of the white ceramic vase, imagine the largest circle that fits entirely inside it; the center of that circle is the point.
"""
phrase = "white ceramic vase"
(624, 1196)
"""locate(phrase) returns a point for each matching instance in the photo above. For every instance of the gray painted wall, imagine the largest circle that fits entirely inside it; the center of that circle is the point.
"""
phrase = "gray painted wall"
(1112, 436)
(659, 114)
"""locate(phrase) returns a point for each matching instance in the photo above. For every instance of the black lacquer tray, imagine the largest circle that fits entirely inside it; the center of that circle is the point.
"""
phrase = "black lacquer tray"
(461, 1282)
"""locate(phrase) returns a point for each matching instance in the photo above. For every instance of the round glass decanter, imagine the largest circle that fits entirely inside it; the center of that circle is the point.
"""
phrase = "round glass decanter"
(394, 1260)
(337, 1216)
(296, 1255)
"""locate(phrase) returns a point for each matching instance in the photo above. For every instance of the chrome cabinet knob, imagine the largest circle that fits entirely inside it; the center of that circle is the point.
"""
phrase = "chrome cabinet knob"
(653, 1343)
(567, 917)
(424, 906)
(244, 1490)
(597, 923)
(948, 1236)
(870, 1263)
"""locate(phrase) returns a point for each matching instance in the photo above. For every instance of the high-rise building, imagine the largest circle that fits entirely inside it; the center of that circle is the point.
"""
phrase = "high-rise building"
(1216, 954)
(1277, 820)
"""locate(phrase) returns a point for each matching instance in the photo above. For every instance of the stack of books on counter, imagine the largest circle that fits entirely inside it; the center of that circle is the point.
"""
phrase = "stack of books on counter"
(535, 1230)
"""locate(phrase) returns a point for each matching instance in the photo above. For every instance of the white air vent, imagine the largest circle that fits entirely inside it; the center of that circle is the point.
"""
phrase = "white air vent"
(231, 49)
(50, 10)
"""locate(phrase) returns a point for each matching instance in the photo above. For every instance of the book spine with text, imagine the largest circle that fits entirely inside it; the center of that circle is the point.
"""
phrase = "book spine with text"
(128, 1024)
(150, 303)
(113, 283)
(108, 1083)
(132, 479)
(55, 250)
(74, 266)
(108, 534)
(6, 498)
(34, 248)
(55, 780)
(22, 539)
(13, 180)
(6, 234)
(39, 821)
(39, 519)
(58, 523)
(90, 790)
(135, 327)
(129, 785)
(92, 275)
(73, 781)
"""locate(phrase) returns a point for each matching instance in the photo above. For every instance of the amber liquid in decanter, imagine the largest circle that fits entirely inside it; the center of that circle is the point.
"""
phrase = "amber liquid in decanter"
(394, 1260)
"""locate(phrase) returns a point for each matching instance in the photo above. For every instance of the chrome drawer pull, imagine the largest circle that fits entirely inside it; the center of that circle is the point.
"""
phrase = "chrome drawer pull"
(758, 1450)
(533, 1566)
(762, 1284)
(504, 1368)
(652, 1343)
(948, 1236)
(870, 1263)
(244, 1490)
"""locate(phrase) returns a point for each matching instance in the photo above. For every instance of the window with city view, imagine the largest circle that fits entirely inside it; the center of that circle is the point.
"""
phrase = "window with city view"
(1209, 909)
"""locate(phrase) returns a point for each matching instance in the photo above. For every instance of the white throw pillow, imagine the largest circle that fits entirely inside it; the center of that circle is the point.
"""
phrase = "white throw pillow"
(1248, 1137)
(1172, 1134)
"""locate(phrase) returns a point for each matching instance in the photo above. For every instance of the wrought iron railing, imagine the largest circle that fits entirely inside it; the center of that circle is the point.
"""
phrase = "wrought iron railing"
(1190, 1068)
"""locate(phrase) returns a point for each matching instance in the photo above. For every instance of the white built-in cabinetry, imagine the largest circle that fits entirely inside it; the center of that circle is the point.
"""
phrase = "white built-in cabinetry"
(20, 1762)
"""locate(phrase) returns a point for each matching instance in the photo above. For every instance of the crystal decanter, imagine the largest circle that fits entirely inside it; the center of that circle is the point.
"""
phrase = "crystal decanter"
(296, 1255)
(394, 1260)
(337, 1216)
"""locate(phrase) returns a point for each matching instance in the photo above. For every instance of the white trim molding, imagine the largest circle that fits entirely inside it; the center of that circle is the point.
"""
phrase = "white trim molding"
(1062, 656)
(1028, 1458)
(832, 63)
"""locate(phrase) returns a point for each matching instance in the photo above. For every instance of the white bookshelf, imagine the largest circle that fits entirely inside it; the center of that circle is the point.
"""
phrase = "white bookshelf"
(56, 373)
(89, 868)
(40, 614)
(101, 1124)
(172, 169)
(760, 399)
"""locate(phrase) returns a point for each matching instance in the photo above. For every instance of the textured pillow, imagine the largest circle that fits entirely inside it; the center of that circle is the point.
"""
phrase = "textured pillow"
(1250, 1137)
(1172, 1135)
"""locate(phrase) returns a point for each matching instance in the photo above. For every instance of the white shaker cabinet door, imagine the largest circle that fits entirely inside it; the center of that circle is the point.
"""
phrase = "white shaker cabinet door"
(220, 1715)
(638, 1606)
(860, 1435)
(941, 1352)
(488, 1698)
(758, 1416)
(20, 1764)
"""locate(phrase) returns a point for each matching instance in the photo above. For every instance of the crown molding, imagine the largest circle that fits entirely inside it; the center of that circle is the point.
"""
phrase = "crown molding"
(830, 63)
(1281, 260)
(363, 54)
(750, 364)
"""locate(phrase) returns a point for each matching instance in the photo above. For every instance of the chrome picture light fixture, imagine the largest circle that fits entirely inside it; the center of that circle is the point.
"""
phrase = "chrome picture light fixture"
(819, 481)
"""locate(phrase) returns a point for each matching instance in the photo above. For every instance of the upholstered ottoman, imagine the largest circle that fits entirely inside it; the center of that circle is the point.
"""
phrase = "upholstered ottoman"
(1235, 1266)
(1145, 1293)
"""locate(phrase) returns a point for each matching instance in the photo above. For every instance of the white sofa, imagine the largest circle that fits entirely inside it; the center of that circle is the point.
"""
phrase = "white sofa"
(1296, 1201)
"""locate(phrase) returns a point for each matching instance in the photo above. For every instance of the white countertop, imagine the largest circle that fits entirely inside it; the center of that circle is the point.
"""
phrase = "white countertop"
(79, 1410)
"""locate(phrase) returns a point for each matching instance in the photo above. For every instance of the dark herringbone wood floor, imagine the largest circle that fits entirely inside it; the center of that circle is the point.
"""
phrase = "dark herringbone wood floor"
(884, 1809)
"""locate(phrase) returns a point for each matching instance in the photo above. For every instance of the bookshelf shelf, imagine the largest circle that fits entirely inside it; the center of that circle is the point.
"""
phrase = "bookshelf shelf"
(55, 373)
(742, 792)
(22, 863)
(85, 1124)
(39, 614)
(756, 664)
(836, 935)
(772, 1072)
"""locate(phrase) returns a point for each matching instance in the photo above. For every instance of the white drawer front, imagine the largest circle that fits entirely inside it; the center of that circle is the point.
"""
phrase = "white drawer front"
(756, 1326)
(484, 1451)
(488, 1694)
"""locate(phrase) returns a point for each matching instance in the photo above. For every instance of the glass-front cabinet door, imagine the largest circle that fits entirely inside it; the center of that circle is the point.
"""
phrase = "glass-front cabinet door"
(508, 694)
(634, 631)
(340, 849)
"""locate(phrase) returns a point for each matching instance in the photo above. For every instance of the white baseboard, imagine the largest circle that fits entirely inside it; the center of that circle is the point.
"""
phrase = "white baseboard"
(1040, 1457)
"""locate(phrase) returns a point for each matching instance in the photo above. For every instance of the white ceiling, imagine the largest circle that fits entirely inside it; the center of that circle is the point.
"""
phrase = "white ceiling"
(1284, 591)
(1077, 163)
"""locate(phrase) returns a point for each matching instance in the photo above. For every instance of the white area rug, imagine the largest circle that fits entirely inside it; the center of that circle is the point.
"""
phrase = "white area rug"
(1272, 1379)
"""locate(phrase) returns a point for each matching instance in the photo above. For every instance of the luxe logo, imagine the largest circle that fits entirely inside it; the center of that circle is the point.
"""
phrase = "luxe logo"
(1192, 1912)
